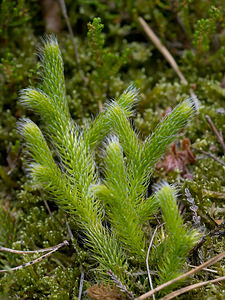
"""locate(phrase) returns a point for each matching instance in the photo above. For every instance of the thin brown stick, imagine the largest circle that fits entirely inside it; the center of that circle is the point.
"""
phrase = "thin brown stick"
(48, 208)
(36, 260)
(65, 15)
(153, 37)
(218, 135)
(209, 154)
(197, 269)
(30, 252)
(212, 233)
(162, 49)
(100, 106)
(119, 284)
(205, 269)
(191, 287)
(68, 24)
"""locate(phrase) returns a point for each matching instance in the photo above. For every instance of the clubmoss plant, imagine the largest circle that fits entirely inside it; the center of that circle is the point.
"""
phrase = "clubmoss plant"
(110, 209)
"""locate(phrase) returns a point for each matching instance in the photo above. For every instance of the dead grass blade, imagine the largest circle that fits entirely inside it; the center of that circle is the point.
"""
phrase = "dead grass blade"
(153, 37)
(162, 49)
(32, 262)
(197, 269)
(190, 287)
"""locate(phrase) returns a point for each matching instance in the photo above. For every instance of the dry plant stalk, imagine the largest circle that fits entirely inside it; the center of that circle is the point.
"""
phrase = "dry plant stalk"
(209, 154)
(191, 287)
(197, 269)
(152, 36)
(68, 24)
(65, 15)
(218, 135)
(162, 49)
(32, 262)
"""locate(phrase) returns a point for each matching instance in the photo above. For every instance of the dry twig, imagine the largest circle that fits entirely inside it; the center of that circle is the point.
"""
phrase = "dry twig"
(48, 208)
(119, 284)
(218, 135)
(190, 287)
(33, 251)
(205, 269)
(65, 15)
(162, 49)
(53, 249)
(212, 233)
(152, 36)
(209, 154)
(197, 269)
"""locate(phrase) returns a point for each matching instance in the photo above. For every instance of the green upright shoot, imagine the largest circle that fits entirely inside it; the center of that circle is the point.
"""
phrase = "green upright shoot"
(111, 209)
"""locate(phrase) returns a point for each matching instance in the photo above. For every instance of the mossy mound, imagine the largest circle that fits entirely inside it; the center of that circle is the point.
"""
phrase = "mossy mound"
(111, 58)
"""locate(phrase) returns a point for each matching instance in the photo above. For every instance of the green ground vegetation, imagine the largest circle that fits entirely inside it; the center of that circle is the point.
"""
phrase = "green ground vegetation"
(113, 54)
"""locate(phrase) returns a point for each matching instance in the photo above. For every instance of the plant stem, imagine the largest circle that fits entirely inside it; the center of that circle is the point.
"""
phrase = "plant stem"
(218, 135)
(65, 15)
(156, 41)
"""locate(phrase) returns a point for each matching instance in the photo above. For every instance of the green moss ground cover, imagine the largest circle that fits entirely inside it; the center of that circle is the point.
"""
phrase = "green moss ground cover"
(111, 58)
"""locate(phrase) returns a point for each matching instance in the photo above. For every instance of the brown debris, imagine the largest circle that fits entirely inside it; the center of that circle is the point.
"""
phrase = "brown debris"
(177, 159)
(104, 292)
(218, 134)
(223, 82)
(51, 15)
(13, 159)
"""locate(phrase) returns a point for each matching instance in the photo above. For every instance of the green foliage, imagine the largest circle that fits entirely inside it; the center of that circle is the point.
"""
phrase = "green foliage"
(16, 63)
(8, 232)
(205, 28)
(105, 63)
(178, 241)
(176, 24)
(73, 183)
(13, 14)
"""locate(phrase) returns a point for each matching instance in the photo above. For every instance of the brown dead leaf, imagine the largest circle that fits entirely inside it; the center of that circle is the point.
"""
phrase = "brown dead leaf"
(177, 159)
(218, 221)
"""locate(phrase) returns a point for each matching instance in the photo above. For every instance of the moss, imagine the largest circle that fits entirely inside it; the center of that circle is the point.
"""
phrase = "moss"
(29, 224)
